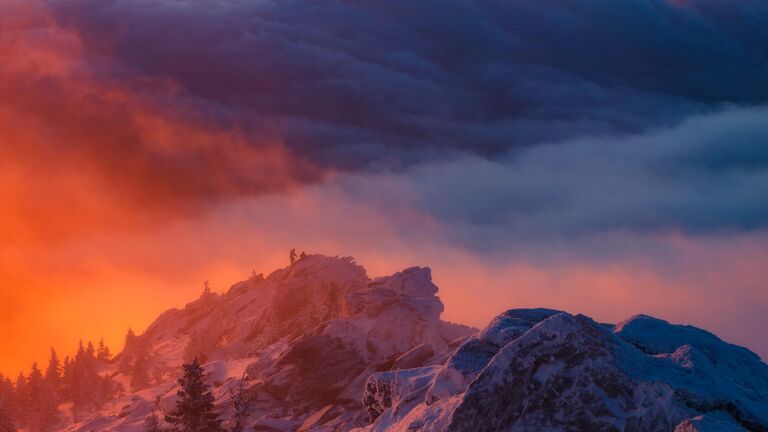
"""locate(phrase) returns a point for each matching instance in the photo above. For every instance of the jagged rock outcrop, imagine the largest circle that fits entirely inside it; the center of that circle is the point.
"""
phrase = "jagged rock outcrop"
(322, 347)
(463, 367)
(306, 338)
(386, 389)
(385, 322)
(533, 370)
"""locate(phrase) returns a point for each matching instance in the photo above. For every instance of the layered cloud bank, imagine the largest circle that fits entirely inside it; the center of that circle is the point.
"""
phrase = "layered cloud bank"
(361, 83)
(605, 157)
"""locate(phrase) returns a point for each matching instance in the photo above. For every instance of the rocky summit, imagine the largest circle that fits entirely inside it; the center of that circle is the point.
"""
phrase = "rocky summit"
(320, 346)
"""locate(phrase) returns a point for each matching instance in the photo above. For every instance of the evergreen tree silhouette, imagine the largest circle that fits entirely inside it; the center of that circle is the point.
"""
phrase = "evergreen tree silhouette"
(126, 357)
(20, 398)
(6, 423)
(66, 379)
(90, 351)
(83, 383)
(42, 406)
(140, 377)
(195, 411)
(78, 383)
(53, 374)
(102, 352)
(6, 395)
(140, 368)
(135, 361)
(152, 423)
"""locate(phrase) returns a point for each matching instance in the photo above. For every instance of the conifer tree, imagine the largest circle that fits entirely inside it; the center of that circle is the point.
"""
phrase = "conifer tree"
(151, 423)
(82, 383)
(134, 361)
(108, 389)
(53, 374)
(6, 423)
(66, 379)
(102, 352)
(140, 368)
(195, 411)
(6, 393)
(80, 350)
(84, 387)
(90, 351)
(6, 401)
(42, 405)
(127, 357)
(19, 406)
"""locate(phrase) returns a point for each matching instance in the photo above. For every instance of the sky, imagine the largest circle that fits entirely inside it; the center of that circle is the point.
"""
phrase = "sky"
(602, 157)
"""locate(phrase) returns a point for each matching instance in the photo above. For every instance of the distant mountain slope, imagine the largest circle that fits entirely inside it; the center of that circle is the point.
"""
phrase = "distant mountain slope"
(322, 347)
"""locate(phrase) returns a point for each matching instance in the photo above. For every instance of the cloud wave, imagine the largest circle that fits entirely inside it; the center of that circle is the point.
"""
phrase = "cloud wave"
(388, 83)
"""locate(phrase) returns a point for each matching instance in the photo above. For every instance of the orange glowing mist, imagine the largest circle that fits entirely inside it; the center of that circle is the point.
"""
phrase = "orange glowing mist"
(84, 154)
(77, 147)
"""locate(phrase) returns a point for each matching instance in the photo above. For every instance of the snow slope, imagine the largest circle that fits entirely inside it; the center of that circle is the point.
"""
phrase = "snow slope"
(305, 339)
(322, 347)
(570, 373)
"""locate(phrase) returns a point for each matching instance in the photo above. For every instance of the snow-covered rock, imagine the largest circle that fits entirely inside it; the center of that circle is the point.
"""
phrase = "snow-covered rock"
(322, 347)
(305, 338)
(386, 389)
(474, 355)
(541, 370)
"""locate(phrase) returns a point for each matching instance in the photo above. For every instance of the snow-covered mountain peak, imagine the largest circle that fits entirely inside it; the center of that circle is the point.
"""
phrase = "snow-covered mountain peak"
(322, 347)
(306, 337)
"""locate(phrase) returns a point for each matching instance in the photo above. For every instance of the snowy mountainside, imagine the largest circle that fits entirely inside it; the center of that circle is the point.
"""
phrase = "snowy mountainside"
(305, 339)
(322, 347)
(543, 370)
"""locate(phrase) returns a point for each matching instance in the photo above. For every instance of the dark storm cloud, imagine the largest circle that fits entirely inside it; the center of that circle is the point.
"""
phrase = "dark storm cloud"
(507, 119)
(83, 151)
(389, 83)
(708, 175)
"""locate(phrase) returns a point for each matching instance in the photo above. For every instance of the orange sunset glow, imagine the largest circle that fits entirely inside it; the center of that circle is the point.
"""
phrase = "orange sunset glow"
(531, 155)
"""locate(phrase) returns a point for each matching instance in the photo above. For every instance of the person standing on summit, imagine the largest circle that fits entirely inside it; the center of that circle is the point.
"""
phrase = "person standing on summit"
(292, 256)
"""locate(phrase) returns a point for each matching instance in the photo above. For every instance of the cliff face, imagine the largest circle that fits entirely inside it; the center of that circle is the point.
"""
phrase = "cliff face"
(322, 347)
